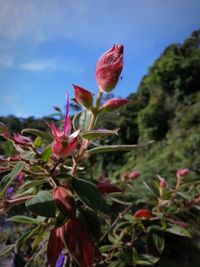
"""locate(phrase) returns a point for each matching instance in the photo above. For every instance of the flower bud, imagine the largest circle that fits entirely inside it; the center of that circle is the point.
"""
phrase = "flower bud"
(114, 103)
(83, 97)
(63, 148)
(64, 201)
(134, 175)
(182, 173)
(106, 187)
(79, 243)
(55, 246)
(163, 183)
(109, 67)
(143, 214)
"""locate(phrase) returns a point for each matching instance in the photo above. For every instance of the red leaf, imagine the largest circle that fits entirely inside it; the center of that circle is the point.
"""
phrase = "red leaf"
(55, 246)
(79, 243)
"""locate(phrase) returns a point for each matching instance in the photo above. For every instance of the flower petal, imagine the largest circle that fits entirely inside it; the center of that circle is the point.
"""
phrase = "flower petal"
(54, 130)
(67, 122)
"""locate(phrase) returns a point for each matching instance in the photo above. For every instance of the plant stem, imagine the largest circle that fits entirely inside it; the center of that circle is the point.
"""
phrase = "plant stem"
(85, 142)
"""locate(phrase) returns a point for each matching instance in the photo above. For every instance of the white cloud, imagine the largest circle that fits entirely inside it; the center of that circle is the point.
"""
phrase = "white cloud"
(38, 66)
(50, 65)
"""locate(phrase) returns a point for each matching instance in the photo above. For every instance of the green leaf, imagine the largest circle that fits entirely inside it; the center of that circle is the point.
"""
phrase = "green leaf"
(39, 133)
(147, 260)
(93, 222)
(5, 250)
(113, 148)
(30, 184)
(60, 220)
(39, 236)
(46, 154)
(177, 230)
(25, 236)
(37, 142)
(82, 120)
(117, 263)
(24, 219)
(154, 228)
(99, 133)
(42, 204)
(159, 242)
(88, 194)
(8, 179)
(152, 189)
(30, 191)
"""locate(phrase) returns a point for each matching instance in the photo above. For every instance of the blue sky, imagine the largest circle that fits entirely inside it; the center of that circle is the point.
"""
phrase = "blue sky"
(46, 46)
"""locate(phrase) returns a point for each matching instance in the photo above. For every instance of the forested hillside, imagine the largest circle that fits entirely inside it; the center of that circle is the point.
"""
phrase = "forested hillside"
(165, 108)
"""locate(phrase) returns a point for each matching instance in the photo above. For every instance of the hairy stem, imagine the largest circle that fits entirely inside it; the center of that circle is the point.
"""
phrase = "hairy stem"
(85, 142)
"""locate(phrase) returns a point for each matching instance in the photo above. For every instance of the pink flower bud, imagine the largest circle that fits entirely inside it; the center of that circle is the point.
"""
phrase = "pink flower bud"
(114, 103)
(83, 97)
(182, 173)
(64, 201)
(163, 183)
(143, 213)
(106, 187)
(55, 246)
(109, 67)
(79, 243)
(134, 175)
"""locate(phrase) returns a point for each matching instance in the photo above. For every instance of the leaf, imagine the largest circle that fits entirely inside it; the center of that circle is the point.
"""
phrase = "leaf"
(24, 219)
(30, 184)
(88, 194)
(30, 191)
(42, 204)
(8, 179)
(39, 133)
(147, 260)
(117, 263)
(113, 148)
(25, 236)
(99, 133)
(37, 141)
(177, 230)
(46, 154)
(39, 236)
(159, 242)
(5, 250)
(82, 120)
(60, 220)
(152, 189)
(93, 222)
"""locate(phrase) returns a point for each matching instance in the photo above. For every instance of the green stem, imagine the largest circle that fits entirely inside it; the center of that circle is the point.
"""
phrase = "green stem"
(85, 142)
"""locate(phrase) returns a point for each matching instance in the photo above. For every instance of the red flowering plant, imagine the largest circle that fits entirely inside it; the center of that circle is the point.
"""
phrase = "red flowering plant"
(76, 220)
